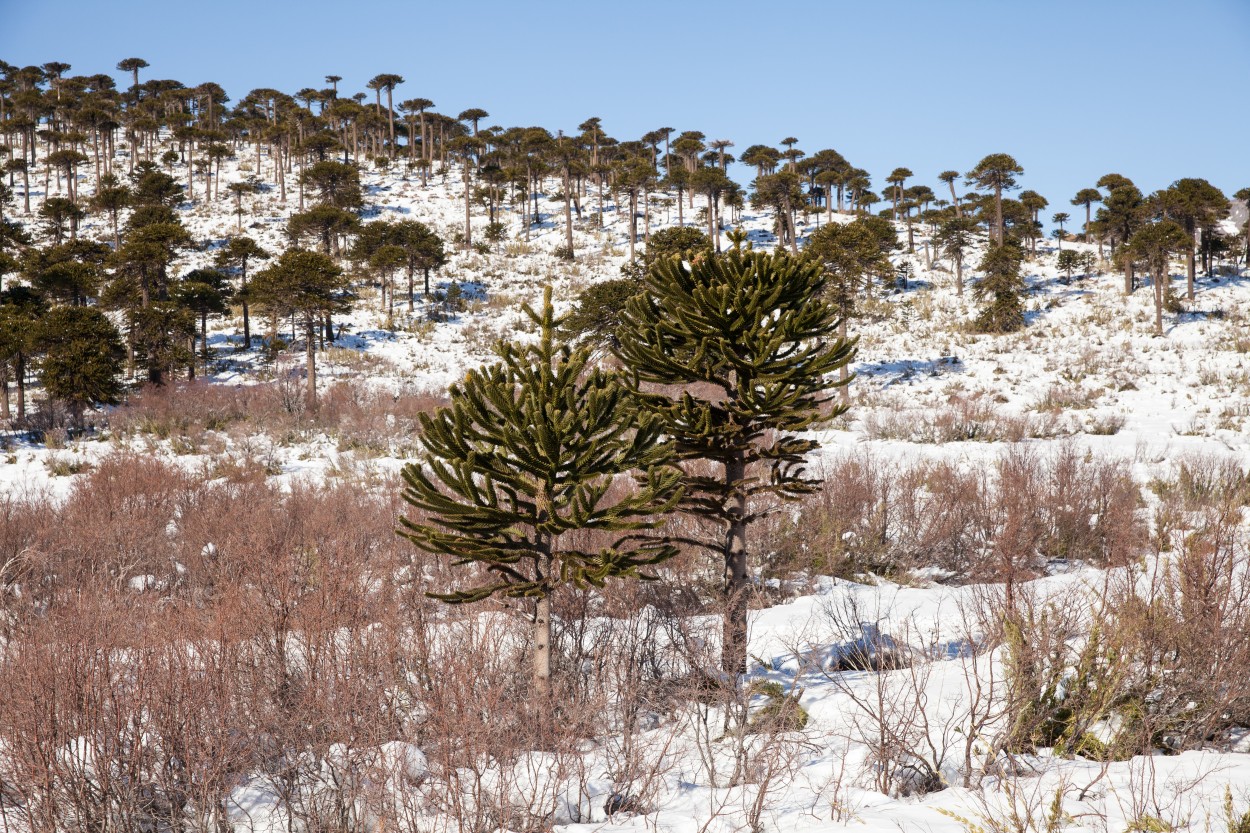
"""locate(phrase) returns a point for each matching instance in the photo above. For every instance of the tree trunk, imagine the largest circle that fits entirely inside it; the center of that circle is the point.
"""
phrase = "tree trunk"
(711, 219)
(1191, 268)
(390, 115)
(310, 358)
(998, 213)
(734, 625)
(1160, 283)
(633, 222)
(542, 647)
(1128, 277)
(19, 373)
(247, 324)
(568, 213)
(468, 226)
(844, 373)
(646, 217)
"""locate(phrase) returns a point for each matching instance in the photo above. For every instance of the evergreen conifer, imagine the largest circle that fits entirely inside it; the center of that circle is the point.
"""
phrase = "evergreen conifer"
(751, 341)
(528, 451)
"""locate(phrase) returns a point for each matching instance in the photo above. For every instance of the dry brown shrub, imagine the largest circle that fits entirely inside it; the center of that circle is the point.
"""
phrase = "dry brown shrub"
(1002, 522)
(359, 414)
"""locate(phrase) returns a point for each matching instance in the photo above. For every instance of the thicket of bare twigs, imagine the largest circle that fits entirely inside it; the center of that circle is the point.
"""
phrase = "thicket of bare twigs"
(167, 637)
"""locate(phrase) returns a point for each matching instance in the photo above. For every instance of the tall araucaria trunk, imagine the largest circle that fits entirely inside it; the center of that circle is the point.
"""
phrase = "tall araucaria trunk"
(734, 627)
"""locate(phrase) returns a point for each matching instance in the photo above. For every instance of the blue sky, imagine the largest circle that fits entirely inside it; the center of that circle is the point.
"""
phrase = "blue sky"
(1153, 90)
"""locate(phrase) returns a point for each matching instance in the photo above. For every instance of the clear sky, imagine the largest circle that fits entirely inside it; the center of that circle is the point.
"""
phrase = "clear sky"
(1153, 89)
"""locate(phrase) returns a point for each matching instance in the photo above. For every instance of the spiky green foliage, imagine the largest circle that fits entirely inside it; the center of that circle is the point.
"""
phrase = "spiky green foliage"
(528, 451)
(998, 173)
(953, 239)
(685, 241)
(851, 254)
(416, 245)
(334, 183)
(751, 339)
(1000, 285)
(597, 314)
(1155, 243)
(81, 358)
(309, 286)
(1068, 261)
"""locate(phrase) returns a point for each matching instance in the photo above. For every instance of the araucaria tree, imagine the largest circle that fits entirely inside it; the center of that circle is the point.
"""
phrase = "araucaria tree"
(851, 254)
(1000, 286)
(953, 239)
(997, 172)
(1155, 243)
(81, 358)
(527, 452)
(308, 286)
(752, 341)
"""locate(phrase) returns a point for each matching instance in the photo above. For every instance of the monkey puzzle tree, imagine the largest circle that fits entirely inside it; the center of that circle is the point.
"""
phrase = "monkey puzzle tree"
(204, 292)
(466, 149)
(1155, 243)
(59, 215)
(527, 452)
(236, 254)
(1059, 219)
(751, 340)
(949, 178)
(1087, 197)
(334, 183)
(566, 157)
(998, 172)
(308, 286)
(897, 179)
(422, 248)
(388, 81)
(68, 274)
(1000, 285)
(712, 183)
(327, 223)
(597, 313)
(1066, 261)
(237, 190)
(21, 310)
(80, 358)
(151, 186)
(111, 196)
(1121, 214)
(850, 254)
(1243, 194)
(1196, 205)
(473, 115)
(133, 65)
(782, 193)
(1033, 203)
(953, 238)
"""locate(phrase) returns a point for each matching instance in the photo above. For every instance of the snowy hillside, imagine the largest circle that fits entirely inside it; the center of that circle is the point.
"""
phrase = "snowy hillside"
(879, 701)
